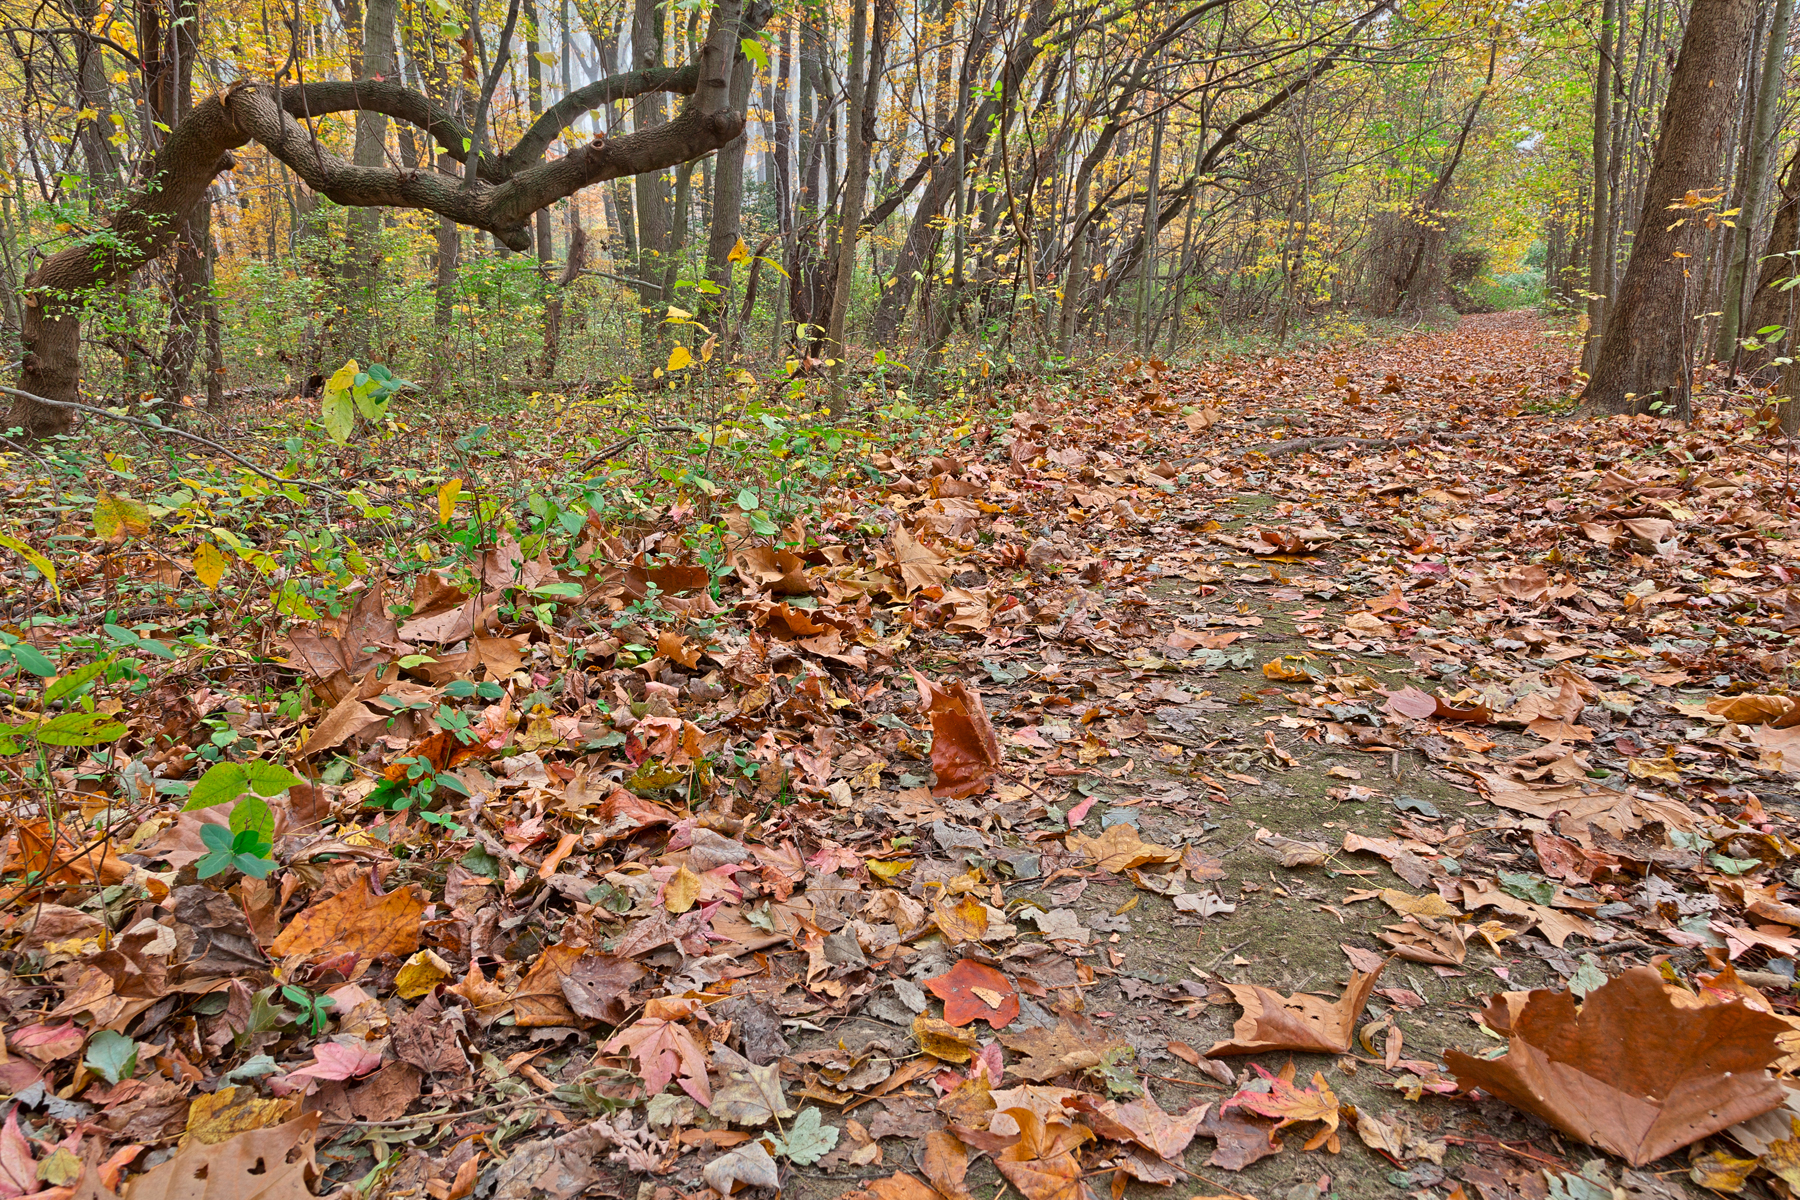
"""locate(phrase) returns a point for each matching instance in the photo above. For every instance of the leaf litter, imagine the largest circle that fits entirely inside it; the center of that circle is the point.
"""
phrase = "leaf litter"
(942, 781)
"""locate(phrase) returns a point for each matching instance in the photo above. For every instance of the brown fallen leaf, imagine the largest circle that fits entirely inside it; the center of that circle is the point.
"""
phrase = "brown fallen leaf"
(262, 1164)
(1423, 940)
(1300, 1022)
(356, 921)
(1057, 1051)
(945, 1161)
(920, 565)
(1641, 1070)
(965, 753)
(1119, 848)
(1290, 852)
(1241, 1139)
(540, 1000)
(1042, 1163)
(1142, 1121)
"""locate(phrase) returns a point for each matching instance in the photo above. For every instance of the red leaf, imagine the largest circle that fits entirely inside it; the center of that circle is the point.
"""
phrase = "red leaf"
(962, 989)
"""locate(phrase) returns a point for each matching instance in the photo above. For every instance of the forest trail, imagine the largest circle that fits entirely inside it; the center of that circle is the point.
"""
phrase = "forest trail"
(938, 836)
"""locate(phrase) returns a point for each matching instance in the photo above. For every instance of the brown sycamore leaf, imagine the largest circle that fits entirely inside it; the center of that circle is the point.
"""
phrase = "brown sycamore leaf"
(945, 1161)
(1641, 1070)
(1119, 848)
(1142, 1121)
(1241, 1138)
(965, 753)
(920, 565)
(540, 1000)
(973, 991)
(1058, 1051)
(1301, 1022)
(356, 921)
(1042, 1163)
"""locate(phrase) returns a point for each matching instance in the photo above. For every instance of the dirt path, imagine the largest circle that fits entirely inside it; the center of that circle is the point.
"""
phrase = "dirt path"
(1235, 705)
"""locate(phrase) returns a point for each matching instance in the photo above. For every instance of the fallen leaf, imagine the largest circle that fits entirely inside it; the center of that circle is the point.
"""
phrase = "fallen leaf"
(1639, 1071)
(665, 1049)
(965, 753)
(1301, 1022)
(1290, 1104)
(1059, 1050)
(1119, 848)
(355, 921)
(962, 989)
(1042, 1163)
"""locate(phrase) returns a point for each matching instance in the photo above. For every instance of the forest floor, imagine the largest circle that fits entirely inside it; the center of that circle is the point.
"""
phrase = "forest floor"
(923, 843)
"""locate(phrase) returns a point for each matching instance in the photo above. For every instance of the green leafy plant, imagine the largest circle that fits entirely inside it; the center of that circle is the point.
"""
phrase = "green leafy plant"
(313, 1018)
(246, 842)
(352, 390)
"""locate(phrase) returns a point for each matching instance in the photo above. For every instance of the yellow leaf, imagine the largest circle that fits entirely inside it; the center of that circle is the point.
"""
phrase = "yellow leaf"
(679, 314)
(118, 517)
(964, 921)
(209, 565)
(447, 500)
(219, 1116)
(43, 565)
(739, 253)
(1279, 670)
(681, 891)
(422, 972)
(888, 869)
(942, 1040)
(679, 358)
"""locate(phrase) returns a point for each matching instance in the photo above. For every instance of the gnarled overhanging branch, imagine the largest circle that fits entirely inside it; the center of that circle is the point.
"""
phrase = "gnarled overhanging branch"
(501, 199)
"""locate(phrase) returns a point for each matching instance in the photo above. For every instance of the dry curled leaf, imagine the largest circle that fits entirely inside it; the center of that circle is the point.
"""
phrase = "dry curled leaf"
(356, 921)
(1299, 1022)
(965, 753)
(1641, 1070)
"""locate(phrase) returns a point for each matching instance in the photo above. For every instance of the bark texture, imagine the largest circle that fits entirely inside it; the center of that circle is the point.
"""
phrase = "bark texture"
(1644, 351)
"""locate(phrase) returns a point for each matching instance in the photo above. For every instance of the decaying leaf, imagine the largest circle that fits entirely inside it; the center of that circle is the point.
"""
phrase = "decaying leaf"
(1639, 1071)
(1119, 848)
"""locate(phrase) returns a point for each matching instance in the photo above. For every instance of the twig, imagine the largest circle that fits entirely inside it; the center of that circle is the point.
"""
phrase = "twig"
(619, 445)
(157, 427)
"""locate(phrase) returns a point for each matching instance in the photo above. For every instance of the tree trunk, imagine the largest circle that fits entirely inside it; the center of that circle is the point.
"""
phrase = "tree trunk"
(1759, 168)
(862, 96)
(1598, 271)
(653, 200)
(362, 251)
(1643, 359)
(727, 209)
(1770, 305)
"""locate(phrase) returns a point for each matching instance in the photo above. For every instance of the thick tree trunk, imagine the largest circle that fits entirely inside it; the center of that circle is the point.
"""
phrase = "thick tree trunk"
(863, 98)
(362, 251)
(653, 199)
(1643, 362)
(727, 209)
